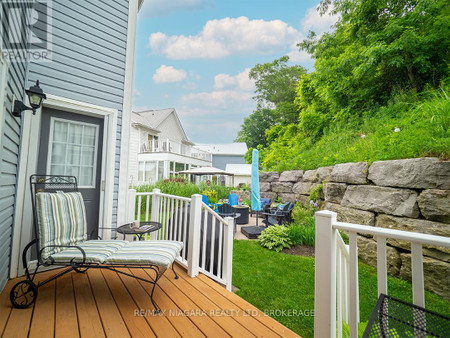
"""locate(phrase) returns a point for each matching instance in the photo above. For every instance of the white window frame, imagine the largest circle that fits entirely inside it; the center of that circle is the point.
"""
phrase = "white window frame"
(50, 146)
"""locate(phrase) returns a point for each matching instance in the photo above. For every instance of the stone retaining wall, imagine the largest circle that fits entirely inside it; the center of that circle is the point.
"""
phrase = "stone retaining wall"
(411, 195)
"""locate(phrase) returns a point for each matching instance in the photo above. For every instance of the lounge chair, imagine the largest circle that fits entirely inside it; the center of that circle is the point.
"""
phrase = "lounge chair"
(61, 240)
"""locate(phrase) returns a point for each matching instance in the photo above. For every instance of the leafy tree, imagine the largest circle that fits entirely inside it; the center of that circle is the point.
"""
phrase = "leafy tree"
(253, 130)
(275, 88)
(276, 84)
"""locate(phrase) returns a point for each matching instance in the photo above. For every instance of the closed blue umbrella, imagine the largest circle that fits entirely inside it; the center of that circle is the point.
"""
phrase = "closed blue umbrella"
(256, 199)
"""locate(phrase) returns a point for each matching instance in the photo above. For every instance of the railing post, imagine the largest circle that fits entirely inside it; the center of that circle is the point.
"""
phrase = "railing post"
(194, 235)
(154, 216)
(228, 252)
(325, 275)
(131, 211)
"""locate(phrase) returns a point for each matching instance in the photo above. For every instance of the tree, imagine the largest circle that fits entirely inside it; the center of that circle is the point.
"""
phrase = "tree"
(253, 130)
(275, 88)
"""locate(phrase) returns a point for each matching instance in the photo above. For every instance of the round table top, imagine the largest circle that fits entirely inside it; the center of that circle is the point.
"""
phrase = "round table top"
(145, 227)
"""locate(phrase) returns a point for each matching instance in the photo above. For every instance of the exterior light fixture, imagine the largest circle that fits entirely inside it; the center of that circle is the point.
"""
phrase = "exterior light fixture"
(35, 97)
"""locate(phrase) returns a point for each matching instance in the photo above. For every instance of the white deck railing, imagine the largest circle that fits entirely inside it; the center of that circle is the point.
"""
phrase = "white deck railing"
(207, 237)
(336, 282)
(168, 146)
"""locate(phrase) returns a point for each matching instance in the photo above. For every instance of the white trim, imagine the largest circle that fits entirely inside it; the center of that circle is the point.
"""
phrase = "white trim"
(133, 9)
(3, 73)
(50, 148)
(29, 149)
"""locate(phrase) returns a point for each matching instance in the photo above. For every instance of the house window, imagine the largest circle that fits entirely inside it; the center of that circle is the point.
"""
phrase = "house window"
(73, 150)
(160, 170)
(150, 171)
(141, 171)
(179, 167)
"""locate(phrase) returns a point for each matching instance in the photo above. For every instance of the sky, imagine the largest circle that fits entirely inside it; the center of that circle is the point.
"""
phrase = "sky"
(195, 55)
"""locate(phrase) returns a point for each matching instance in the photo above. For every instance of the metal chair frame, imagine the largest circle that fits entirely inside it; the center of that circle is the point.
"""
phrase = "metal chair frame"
(24, 293)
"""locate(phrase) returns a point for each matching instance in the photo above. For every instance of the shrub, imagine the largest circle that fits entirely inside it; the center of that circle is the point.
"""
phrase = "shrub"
(275, 238)
(316, 193)
(302, 234)
(211, 194)
(302, 215)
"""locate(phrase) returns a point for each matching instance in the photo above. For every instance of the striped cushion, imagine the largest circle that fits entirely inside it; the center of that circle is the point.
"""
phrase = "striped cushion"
(160, 253)
(96, 251)
(61, 219)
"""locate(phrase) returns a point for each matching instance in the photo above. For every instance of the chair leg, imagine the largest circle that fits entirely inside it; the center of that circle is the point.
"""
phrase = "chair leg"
(174, 272)
(157, 310)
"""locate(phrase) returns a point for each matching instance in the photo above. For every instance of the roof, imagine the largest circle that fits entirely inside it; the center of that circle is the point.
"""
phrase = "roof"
(237, 148)
(153, 118)
(205, 171)
(239, 169)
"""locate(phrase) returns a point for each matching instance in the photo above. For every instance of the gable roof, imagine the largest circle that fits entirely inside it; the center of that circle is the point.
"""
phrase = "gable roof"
(236, 148)
(153, 118)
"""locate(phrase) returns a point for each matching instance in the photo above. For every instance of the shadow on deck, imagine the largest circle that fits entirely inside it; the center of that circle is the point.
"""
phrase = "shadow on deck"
(104, 303)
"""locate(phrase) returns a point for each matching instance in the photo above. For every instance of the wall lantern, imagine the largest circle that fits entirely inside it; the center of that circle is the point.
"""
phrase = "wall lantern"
(35, 97)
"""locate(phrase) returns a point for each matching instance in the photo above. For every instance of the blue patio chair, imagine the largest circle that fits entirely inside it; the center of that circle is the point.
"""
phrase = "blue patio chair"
(233, 199)
(205, 199)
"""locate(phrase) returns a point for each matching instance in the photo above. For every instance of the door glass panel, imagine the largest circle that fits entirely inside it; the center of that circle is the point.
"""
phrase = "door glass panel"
(75, 133)
(89, 136)
(73, 151)
(59, 153)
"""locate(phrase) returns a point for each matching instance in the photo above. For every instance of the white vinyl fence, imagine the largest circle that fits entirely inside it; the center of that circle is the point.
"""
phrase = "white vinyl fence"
(207, 237)
(336, 273)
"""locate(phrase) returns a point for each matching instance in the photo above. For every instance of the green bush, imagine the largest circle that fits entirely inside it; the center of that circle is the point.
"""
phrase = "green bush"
(275, 238)
(302, 235)
(302, 215)
(211, 194)
(316, 193)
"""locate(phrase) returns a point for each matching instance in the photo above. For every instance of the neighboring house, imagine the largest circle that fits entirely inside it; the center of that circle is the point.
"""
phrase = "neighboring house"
(83, 124)
(223, 154)
(159, 147)
(242, 173)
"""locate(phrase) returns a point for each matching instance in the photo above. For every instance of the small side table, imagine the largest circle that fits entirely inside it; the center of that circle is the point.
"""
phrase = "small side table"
(145, 228)
(243, 211)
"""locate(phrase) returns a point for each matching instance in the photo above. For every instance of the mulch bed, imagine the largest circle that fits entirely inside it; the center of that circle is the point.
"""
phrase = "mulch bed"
(300, 250)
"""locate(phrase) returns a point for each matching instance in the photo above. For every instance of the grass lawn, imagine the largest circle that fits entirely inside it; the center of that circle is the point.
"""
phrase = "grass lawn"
(275, 281)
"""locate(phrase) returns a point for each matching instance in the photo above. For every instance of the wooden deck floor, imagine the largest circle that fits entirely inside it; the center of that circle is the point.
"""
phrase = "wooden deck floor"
(104, 303)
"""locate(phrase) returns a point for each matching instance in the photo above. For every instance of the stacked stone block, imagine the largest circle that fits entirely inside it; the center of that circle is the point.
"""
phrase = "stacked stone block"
(410, 194)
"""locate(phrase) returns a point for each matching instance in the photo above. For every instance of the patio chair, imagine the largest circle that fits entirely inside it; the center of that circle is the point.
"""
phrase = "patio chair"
(60, 239)
(278, 216)
(233, 199)
(226, 210)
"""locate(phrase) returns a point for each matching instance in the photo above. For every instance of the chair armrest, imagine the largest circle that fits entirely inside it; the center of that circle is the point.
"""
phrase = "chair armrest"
(64, 246)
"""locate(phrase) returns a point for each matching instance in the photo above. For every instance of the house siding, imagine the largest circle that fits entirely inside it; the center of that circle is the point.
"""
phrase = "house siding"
(221, 161)
(9, 155)
(89, 40)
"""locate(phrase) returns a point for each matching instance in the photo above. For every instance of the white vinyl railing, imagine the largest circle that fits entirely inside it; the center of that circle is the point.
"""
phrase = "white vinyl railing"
(168, 146)
(337, 297)
(207, 237)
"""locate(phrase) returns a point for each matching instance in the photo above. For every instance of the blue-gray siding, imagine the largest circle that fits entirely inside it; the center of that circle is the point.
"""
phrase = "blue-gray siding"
(221, 161)
(9, 156)
(89, 39)
(89, 49)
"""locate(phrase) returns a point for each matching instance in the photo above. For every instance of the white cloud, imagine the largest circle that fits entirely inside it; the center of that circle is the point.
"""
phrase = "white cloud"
(241, 81)
(223, 37)
(217, 98)
(313, 21)
(297, 55)
(167, 74)
(165, 7)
